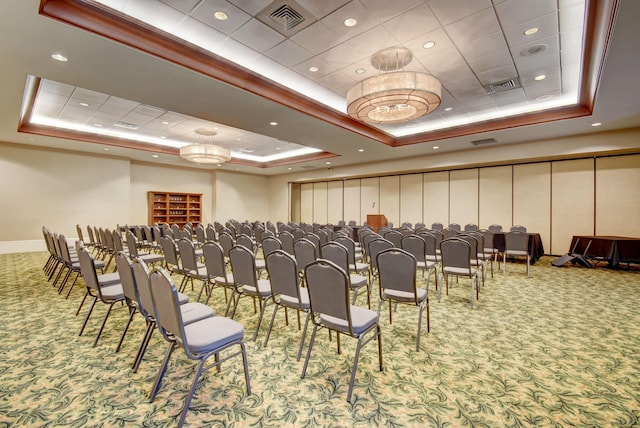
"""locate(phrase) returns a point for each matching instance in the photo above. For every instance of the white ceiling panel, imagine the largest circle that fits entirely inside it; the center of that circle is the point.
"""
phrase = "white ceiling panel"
(514, 12)
(449, 11)
(412, 24)
(257, 36)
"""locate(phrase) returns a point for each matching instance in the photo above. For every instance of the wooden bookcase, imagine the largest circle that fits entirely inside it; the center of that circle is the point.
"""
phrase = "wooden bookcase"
(172, 207)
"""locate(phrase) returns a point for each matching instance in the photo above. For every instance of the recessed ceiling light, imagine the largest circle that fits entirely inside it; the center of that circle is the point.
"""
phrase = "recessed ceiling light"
(531, 31)
(596, 124)
(313, 69)
(448, 109)
(97, 125)
(164, 122)
(238, 139)
(273, 123)
(328, 163)
(84, 104)
(436, 147)
(540, 77)
(289, 169)
(360, 71)
(350, 22)
(220, 15)
(59, 57)
(429, 44)
(361, 150)
(278, 148)
(106, 149)
(219, 164)
(163, 137)
(155, 156)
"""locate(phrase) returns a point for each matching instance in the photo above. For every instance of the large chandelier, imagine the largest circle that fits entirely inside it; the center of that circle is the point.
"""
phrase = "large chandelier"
(205, 151)
(394, 95)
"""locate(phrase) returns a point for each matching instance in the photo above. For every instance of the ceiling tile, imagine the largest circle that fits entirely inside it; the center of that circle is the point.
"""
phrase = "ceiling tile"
(514, 12)
(316, 38)
(320, 9)
(449, 11)
(355, 10)
(288, 53)
(384, 10)
(497, 74)
(184, 6)
(204, 12)
(257, 36)
(476, 26)
(412, 24)
(252, 7)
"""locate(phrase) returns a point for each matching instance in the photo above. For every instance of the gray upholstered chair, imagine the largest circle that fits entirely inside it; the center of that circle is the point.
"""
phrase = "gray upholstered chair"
(338, 254)
(217, 272)
(516, 244)
(397, 274)
(329, 291)
(287, 293)
(417, 247)
(192, 268)
(456, 260)
(200, 340)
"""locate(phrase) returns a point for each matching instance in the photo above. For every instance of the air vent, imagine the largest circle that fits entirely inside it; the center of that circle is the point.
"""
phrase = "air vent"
(483, 142)
(126, 125)
(307, 167)
(505, 85)
(286, 17)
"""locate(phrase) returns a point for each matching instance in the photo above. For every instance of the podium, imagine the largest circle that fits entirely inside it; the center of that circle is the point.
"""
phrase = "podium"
(376, 220)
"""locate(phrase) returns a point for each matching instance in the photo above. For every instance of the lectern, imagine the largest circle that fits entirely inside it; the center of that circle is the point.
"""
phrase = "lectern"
(376, 220)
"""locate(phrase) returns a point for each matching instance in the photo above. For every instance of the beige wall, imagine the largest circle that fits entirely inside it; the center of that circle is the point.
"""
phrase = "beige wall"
(241, 196)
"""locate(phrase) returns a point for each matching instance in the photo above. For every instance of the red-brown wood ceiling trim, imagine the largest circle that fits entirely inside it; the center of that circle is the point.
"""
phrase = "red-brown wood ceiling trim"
(118, 27)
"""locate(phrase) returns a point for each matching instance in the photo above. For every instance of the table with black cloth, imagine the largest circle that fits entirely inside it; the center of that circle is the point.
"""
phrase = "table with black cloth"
(613, 249)
(536, 250)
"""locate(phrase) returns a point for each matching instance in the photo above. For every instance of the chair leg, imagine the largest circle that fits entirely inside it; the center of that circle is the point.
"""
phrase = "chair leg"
(262, 309)
(161, 372)
(82, 303)
(187, 401)
(132, 312)
(95, 299)
(304, 335)
(306, 360)
(247, 378)
(355, 368)
(143, 346)
(273, 317)
(104, 321)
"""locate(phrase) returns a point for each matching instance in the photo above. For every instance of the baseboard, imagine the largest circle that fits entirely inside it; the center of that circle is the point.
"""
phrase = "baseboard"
(7, 247)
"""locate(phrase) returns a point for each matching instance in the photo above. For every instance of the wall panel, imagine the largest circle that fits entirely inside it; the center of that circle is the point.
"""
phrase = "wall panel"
(532, 199)
(369, 198)
(495, 196)
(306, 203)
(411, 197)
(335, 198)
(352, 200)
(572, 202)
(464, 196)
(390, 199)
(618, 196)
(320, 202)
(436, 198)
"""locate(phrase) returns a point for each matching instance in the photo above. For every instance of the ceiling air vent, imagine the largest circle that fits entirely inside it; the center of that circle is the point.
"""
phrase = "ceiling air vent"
(483, 142)
(505, 85)
(286, 17)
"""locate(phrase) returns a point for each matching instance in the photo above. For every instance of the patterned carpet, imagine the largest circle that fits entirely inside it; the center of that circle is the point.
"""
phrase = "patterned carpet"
(561, 348)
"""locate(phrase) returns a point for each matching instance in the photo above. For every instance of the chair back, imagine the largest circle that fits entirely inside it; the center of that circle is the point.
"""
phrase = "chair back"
(210, 233)
(79, 232)
(397, 271)
(495, 228)
(201, 235)
(456, 253)
(455, 226)
(270, 244)
(473, 243)
(488, 240)
(88, 269)
(167, 307)
(283, 274)
(323, 237)
(125, 272)
(64, 250)
(376, 247)
(227, 242)
(366, 240)
(266, 234)
(214, 259)
(143, 284)
(132, 244)
(516, 240)
(170, 252)
(449, 233)
(108, 240)
(287, 240)
(243, 266)
(470, 227)
(92, 238)
(187, 252)
(518, 228)
(416, 246)
(328, 287)
(432, 244)
(245, 229)
(305, 252)
(246, 241)
(437, 226)
(336, 253)
(395, 237)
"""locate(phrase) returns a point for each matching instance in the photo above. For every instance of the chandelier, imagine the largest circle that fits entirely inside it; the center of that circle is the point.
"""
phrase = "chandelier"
(394, 95)
(205, 151)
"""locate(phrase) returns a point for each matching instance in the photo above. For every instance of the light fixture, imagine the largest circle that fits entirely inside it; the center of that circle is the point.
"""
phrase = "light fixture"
(220, 15)
(429, 44)
(205, 152)
(531, 31)
(313, 69)
(540, 77)
(350, 22)
(59, 57)
(394, 95)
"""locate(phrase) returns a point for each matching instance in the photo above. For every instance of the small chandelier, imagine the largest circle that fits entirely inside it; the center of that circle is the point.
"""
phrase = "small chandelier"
(395, 95)
(205, 151)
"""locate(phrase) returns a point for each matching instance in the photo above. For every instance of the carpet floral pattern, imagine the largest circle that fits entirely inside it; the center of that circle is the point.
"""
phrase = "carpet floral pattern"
(561, 348)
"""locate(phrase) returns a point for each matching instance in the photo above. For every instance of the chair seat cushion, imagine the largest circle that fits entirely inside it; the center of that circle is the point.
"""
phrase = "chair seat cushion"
(201, 273)
(221, 281)
(212, 333)
(263, 290)
(357, 281)
(151, 258)
(459, 271)
(516, 253)
(194, 312)
(182, 298)
(109, 279)
(362, 319)
(404, 296)
(112, 292)
(292, 301)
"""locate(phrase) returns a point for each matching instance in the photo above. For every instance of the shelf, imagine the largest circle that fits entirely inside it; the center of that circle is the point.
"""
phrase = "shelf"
(172, 207)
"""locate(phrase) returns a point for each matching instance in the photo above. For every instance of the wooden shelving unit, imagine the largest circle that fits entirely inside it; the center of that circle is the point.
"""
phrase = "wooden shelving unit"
(178, 208)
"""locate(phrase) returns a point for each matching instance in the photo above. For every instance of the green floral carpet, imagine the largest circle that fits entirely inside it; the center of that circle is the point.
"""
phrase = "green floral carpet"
(561, 348)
